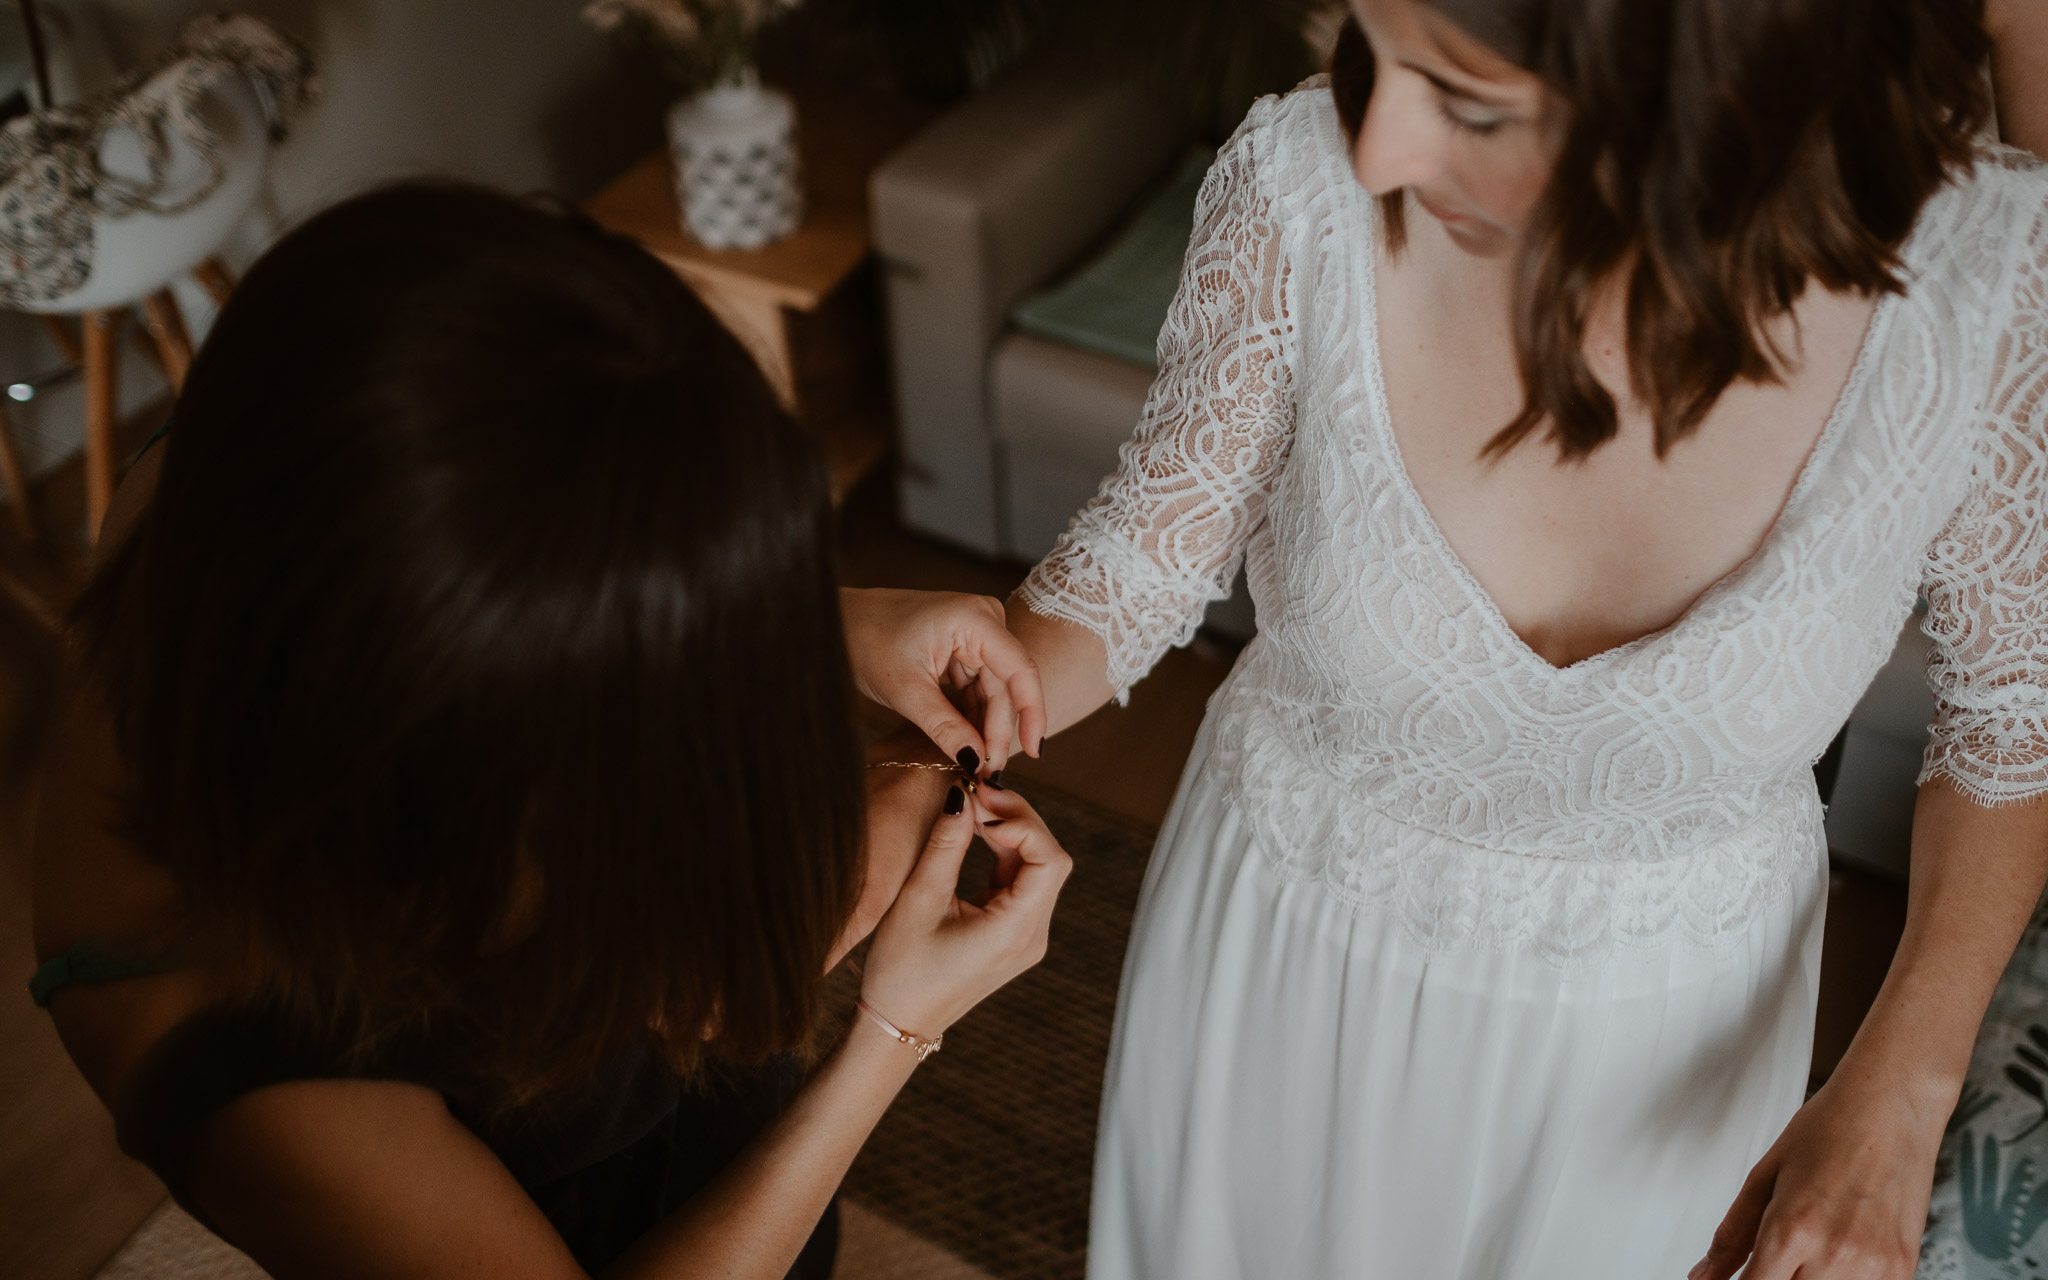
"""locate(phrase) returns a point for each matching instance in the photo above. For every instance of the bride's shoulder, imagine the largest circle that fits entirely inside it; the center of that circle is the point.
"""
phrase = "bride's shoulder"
(1295, 144)
(1981, 240)
(2002, 194)
(1304, 114)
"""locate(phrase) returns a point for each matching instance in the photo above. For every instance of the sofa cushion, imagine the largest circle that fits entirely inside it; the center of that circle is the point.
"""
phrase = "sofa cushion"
(1052, 397)
(1988, 1217)
(1116, 303)
(1059, 415)
(996, 198)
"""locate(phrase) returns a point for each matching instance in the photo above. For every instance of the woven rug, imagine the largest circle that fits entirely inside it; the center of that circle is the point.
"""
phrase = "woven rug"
(989, 1150)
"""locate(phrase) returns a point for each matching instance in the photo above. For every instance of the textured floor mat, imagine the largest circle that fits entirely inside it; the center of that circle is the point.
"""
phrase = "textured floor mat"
(988, 1151)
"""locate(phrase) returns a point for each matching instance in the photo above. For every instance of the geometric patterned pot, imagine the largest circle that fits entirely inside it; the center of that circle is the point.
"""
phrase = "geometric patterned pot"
(738, 181)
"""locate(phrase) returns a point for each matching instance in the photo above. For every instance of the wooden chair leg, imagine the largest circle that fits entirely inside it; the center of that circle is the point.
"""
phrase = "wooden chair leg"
(214, 277)
(32, 602)
(66, 338)
(102, 328)
(16, 478)
(167, 327)
(145, 343)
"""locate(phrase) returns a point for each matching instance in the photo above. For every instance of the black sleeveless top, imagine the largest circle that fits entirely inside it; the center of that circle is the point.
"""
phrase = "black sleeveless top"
(604, 1160)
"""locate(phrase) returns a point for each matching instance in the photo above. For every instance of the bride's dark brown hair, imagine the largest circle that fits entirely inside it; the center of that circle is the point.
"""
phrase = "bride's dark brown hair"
(1723, 153)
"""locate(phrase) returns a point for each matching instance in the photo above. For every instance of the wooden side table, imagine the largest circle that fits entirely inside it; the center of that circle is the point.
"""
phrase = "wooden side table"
(803, 306)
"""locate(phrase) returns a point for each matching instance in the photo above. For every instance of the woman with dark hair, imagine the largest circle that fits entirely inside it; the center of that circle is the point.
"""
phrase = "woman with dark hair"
(438, 871)
(1591, 387)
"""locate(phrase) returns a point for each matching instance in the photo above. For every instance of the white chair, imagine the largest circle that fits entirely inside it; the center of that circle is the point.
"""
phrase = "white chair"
(137, 256)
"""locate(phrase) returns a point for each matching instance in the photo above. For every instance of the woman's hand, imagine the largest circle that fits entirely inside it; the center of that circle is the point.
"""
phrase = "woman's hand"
(901, 806)
(1841, 1195)
(935, 955)
(908, 647)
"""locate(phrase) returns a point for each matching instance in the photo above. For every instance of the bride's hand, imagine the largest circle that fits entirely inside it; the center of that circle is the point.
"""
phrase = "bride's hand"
(908, 647)
(1841, 1195)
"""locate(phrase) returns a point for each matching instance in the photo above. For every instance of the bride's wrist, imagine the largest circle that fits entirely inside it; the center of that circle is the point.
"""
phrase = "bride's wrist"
(907, 745)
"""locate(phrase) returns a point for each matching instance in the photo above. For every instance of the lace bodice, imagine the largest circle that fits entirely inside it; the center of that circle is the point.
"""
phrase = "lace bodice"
(1387, 735)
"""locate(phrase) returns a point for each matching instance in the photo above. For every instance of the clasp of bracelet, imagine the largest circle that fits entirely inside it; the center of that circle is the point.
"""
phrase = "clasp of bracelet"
(923, 1047)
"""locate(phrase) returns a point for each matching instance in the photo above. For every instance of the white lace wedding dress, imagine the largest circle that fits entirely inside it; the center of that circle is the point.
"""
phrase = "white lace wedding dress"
(1451, 964)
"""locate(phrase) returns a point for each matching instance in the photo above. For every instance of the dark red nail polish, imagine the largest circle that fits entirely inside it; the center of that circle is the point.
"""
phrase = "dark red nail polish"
(956, 800)
(968, 759)
(996, 780)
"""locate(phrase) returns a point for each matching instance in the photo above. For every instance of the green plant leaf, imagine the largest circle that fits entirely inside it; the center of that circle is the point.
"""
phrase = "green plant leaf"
(1998, 1220)
(2026, 1082)
(1975, 1100)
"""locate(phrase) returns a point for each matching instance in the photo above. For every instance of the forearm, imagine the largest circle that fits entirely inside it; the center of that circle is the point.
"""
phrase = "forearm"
(1976, 875)
(1073, 664)
(2019, 71)
(754, 1219)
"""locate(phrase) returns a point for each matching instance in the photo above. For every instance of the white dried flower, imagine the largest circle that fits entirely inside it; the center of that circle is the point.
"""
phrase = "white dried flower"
(684, 22)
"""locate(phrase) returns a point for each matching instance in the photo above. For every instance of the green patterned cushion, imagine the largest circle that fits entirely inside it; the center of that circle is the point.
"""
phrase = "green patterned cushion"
(1991, 1182)
(1117, 303)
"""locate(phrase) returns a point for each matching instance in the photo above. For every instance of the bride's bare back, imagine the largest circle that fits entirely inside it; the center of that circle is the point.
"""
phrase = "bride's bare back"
(1578, 556)
(1582, 556)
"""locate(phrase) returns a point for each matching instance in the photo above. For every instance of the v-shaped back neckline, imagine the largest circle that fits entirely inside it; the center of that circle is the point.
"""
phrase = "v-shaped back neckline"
(1382, 426)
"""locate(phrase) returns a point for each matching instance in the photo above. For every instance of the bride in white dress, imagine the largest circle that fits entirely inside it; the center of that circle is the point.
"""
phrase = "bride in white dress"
(1482, 940)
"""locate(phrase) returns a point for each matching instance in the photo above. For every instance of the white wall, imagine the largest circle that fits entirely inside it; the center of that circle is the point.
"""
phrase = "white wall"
(519, 94)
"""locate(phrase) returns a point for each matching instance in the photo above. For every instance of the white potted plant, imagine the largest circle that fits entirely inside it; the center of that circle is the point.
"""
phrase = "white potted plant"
(732, 140)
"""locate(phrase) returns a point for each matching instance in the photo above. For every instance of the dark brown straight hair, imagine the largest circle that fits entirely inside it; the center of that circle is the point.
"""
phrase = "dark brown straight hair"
(1724, 153)
(479, 653)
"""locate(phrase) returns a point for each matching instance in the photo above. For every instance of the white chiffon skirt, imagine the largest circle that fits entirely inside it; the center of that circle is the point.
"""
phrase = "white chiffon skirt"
(1295, 1091)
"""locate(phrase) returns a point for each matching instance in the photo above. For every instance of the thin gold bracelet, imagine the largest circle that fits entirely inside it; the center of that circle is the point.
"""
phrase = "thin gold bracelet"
(967, 779)
(923, 1046)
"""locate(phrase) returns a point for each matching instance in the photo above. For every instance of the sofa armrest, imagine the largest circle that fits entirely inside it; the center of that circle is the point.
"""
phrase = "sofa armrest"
(989, 202)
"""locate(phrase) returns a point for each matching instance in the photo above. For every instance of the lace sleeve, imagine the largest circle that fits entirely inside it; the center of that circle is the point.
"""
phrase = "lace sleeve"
(1987, 580)
(1164, 536)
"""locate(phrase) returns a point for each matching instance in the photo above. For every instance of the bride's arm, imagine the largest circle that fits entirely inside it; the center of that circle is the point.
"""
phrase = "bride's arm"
(1133, 574)
(2019, 71)
(1072, 661)
(1843, 1193)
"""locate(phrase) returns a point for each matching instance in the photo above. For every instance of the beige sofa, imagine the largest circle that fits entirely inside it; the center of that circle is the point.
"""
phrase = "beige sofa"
(1005, 435)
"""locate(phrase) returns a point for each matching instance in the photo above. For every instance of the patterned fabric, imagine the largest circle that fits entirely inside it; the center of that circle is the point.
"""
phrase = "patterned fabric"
(51, 183)
(1392, 741)
(1990, 1203)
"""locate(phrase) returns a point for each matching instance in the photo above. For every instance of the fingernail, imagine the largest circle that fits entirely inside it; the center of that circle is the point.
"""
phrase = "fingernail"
(969, 760)
(1698, 1269)
(996, 780)
(956, 800)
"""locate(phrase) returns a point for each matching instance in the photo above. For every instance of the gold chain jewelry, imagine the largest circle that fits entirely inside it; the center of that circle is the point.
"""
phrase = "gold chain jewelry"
(967, 779)
(925, 1047)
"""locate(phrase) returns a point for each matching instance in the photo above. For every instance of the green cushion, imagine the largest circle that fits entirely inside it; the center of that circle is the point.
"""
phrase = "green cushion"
(1116, 304)
(1988, 1215)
